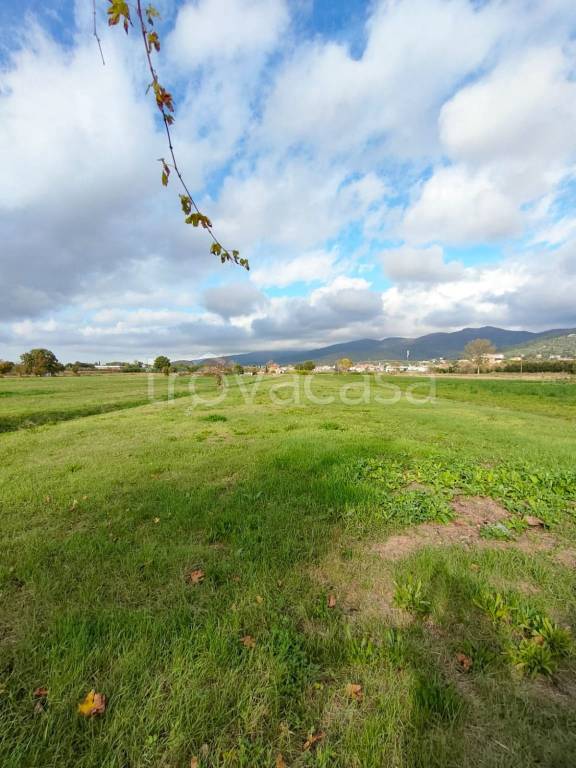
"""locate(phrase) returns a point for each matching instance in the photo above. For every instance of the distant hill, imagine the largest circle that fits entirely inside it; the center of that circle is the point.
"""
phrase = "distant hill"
(433, 345)
(563, 345)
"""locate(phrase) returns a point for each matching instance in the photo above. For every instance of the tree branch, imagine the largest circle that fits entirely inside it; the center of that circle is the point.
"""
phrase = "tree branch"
(95, 32)
(119, 10)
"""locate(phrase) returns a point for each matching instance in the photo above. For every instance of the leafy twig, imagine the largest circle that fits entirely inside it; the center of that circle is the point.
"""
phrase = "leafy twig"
(119, 10)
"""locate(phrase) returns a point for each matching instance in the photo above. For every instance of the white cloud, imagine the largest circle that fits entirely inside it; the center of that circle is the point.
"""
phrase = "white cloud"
(234, 299)
(517, 122)
(307, 157)
(460, 206)
(63, 128)
(310, 267)
(328, 99)
(511, 138)
(420, 265)
(210, 31)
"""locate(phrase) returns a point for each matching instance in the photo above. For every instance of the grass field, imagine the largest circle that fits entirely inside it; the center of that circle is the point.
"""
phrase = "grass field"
(278, 582)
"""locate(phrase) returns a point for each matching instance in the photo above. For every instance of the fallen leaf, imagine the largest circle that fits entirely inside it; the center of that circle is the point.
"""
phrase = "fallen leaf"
(331, 601)
(474, 567)
(354, 691)
(313, 739)
(93, 704)
(40, 693)
(464, 662)
(196, 576)
(204, 750)
(39, 708)
(534, 522)
(248, 641)
(194, 762)
(259, 599)
(280, 762)
(156, 519)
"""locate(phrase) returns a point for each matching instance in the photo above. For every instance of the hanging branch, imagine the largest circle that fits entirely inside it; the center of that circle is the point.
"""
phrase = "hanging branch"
(95, 32)
(119, 10)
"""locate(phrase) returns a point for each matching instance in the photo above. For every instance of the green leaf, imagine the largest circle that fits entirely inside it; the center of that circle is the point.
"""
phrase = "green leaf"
(186, 204)
(165, 172)
(117, 10)
(153, 41)
(151, 14)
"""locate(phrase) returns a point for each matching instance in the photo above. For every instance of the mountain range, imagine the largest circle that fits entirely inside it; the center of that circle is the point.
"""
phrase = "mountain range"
(432, 345)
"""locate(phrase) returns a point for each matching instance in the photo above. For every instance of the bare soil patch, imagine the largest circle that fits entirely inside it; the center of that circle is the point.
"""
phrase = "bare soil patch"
(363, 585)
(472, 513)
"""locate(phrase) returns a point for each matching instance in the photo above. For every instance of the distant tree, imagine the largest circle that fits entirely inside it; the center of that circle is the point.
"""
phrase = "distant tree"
(75, 368)
(5, 367)
(344, 364)
(216, 368)
(238, 369)
(476, 351)
(40, 362)
(161, 363)
(307, 365)
(135, 367)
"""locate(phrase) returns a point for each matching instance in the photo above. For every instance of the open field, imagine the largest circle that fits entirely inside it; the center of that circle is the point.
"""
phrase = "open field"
(227, 574)
(34, 401)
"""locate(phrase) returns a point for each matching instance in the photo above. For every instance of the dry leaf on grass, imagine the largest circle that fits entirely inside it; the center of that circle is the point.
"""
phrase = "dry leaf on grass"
(354, 691)
(40, 693)
(331, 601)
(93, 704)
(280, 762)
(464, 662)
(313, 739)
(196, 576)
(156, 519)
(248, 641)
(194, 762)
(534, 522)
(259, 599)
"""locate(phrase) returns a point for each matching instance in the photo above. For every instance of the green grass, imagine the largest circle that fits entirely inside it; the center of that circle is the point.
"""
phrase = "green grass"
(26, 403)
(547, 397)
(103, 515)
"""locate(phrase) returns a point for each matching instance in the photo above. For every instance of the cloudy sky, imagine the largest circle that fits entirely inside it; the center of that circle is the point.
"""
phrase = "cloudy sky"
(389, 167)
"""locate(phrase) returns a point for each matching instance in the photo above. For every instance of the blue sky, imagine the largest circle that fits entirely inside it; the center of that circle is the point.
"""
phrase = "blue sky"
(392, 167)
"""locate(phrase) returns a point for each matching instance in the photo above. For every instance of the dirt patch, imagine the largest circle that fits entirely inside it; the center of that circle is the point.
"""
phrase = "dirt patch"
(478, 510)
(364, 589)
(362, 582)
(566, 557)
(472, 513)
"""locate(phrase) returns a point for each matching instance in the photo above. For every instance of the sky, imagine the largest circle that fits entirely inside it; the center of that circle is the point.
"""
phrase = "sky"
(389, 167)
